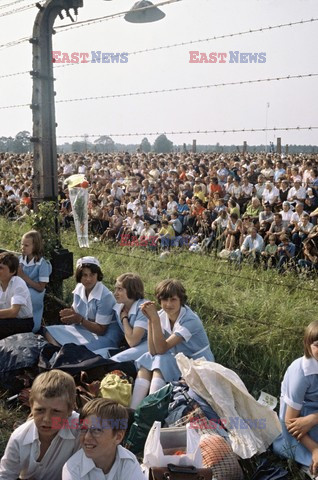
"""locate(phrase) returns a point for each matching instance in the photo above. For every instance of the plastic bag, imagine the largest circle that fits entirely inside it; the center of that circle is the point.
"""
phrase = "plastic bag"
(252, 427)
(160, 439)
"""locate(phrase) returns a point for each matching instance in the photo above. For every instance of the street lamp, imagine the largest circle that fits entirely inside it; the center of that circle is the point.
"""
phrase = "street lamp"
(43, 107)
(144, 12)
(45, 180)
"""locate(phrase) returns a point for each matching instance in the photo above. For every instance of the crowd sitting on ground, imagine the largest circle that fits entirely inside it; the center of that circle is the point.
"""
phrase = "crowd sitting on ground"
(197, 201)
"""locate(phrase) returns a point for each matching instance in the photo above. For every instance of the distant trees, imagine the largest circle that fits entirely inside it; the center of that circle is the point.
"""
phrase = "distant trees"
(107, 144)
(19, 144)
(162, 144)
(145, 145)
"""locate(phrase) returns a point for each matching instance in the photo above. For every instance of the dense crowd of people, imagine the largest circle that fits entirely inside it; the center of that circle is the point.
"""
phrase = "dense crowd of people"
(262, 207)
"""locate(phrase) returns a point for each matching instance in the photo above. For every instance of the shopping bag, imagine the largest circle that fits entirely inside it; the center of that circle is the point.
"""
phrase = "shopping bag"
(162, 443)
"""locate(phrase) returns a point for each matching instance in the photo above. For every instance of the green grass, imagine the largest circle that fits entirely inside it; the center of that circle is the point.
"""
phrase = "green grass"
(254, 319)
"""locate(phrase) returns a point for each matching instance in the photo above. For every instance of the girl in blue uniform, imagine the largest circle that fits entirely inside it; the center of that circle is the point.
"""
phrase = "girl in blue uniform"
(90, 321)
(175, 328)
(35, 271)
(299, 406)
(129, 294)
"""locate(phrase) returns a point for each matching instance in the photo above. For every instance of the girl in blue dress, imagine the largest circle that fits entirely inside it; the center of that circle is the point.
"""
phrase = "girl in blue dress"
(35, 270)
(299, 406)
(175, 328)
(90, 321)
(129, 294)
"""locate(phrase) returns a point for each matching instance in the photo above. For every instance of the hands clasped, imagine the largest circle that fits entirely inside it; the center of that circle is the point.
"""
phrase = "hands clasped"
(149, 310)
(70, 317)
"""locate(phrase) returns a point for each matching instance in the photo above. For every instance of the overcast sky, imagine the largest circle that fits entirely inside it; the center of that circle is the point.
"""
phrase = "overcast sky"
(289, 51)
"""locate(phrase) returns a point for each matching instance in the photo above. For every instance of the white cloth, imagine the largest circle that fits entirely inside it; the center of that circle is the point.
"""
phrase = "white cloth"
(125, 467)
(252, 427)
(17, 293)
(23, 449)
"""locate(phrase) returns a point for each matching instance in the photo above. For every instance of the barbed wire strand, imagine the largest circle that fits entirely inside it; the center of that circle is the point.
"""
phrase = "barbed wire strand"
(185, 132)
(198, 269)
(17, 10)
(187, 267)
(193, 87)
(91, 21)
(228, 35)
(11, 3)
(170, 90)
(71, 26)
(51, 296)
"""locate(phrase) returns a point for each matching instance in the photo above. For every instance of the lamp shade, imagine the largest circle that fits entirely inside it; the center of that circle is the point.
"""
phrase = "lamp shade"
(138, 15)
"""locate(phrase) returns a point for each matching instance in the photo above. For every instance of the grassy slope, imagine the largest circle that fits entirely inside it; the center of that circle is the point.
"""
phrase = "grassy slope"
(254, 319)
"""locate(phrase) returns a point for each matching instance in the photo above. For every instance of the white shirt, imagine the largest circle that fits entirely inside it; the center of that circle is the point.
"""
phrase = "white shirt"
(17, 293)
(299, 194)
(23, 449)
(138, 227)
(68, 169)
(125, 467)
(147, 233)
(250, 243)
(270, 196)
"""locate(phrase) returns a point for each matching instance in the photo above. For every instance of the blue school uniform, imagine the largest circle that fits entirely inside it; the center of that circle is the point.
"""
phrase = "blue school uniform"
(196, 344)
(98, 307)
(136, 319)
(299, 391)
(39, 271)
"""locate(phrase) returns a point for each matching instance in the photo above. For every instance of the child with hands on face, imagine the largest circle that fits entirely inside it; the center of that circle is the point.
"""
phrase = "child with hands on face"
(175, 328)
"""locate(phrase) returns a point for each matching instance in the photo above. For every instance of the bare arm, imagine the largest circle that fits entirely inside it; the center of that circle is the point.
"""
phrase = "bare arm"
(11, 312)
(292, 414)
(70, 317)
(160, 343)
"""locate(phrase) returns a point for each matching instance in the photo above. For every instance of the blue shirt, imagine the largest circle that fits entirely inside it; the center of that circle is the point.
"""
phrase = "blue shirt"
(39, 271)
(290, 248)
(188, 326)
(98, 306)
(135, 316)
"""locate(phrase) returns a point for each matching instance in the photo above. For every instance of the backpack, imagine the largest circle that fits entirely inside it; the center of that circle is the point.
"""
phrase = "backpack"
(153, 408)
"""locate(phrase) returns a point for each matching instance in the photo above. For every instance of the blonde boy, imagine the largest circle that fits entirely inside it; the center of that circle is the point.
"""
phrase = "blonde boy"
(39, 448)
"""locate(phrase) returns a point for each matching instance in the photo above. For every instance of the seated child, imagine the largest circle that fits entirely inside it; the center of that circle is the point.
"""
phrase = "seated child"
(269, 255)
(16, 315)
(35, 270)
(175, 328)
(299, 406)
(39, 448)
(103, 423)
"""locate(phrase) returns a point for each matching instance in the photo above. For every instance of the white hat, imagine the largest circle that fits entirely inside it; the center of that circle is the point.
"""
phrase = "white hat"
(87, 260)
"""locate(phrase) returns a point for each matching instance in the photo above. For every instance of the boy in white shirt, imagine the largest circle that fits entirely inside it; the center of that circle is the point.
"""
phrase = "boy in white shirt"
(39, 448)
(16, 314)
(103, 423)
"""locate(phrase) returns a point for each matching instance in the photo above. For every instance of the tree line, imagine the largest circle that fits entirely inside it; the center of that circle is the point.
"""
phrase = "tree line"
(105, 144)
